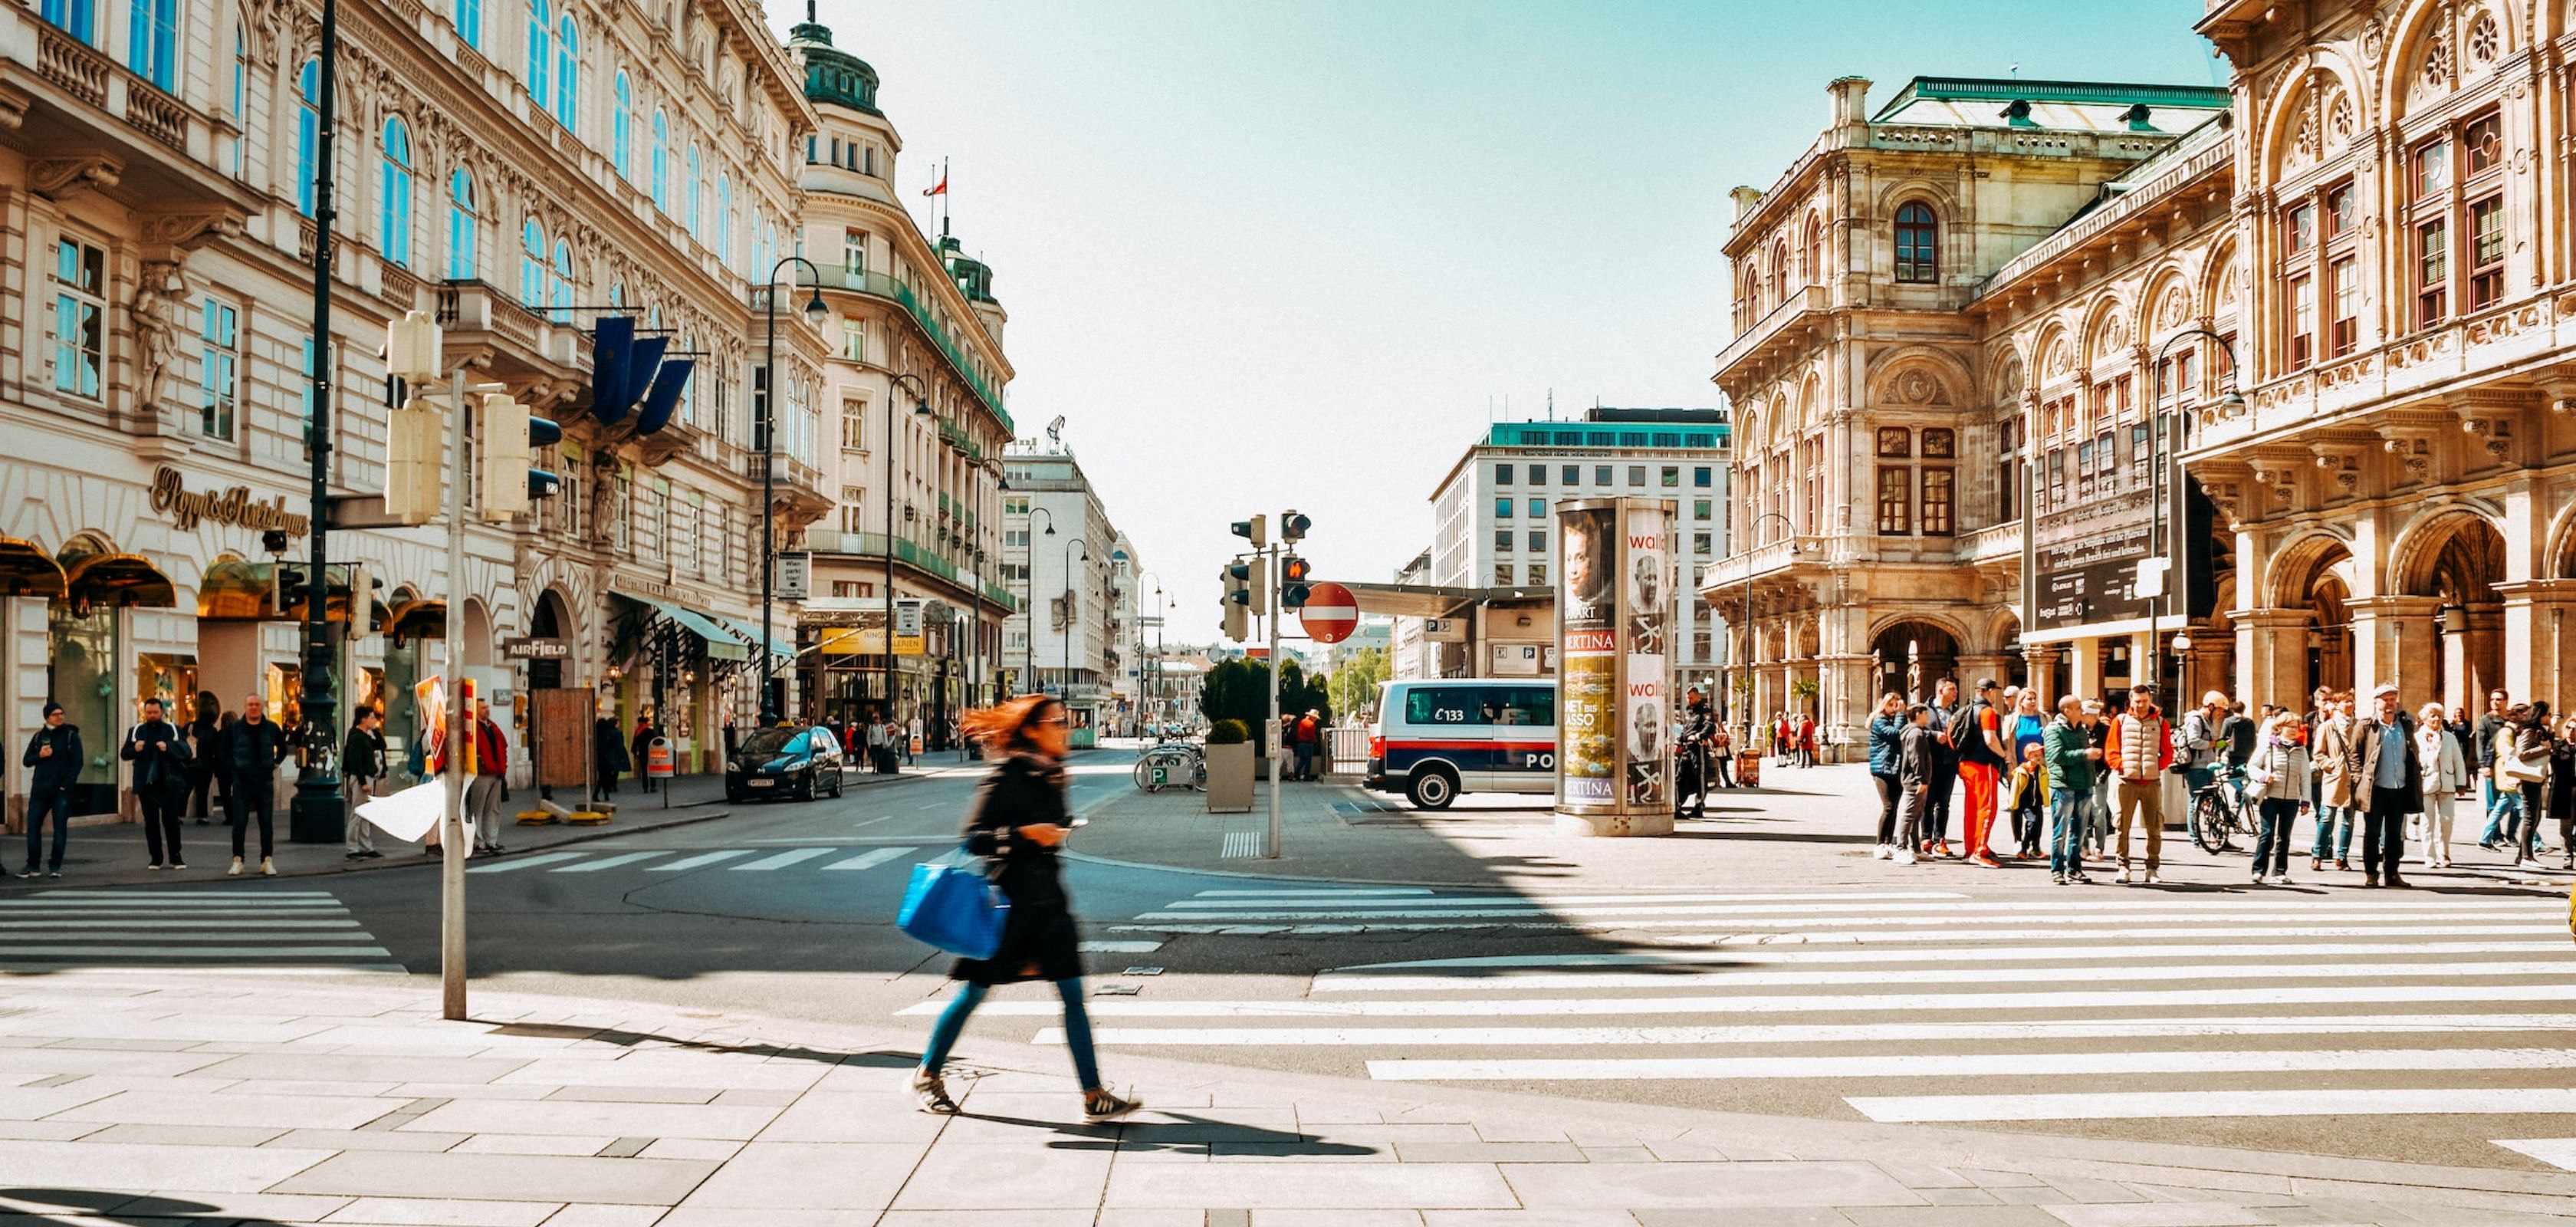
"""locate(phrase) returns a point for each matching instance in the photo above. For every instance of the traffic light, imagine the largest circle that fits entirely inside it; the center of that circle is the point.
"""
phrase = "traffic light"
(1292, 526)
(293, 585)
(510, 436)
(1255, 530)
(412, 462)
(1253, 590)
(1238, 619)
(1293, 572)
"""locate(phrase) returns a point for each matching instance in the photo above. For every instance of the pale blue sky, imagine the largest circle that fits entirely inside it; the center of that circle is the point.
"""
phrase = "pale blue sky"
(1262, 256)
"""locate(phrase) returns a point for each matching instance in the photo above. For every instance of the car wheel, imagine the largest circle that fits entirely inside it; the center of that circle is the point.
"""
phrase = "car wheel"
(1432, 788)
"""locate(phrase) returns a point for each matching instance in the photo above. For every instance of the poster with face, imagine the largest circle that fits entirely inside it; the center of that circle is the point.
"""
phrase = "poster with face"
(1588, 715)
(1645, 607)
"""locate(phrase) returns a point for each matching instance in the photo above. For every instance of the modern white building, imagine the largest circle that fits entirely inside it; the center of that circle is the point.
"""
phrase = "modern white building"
(1062, 553)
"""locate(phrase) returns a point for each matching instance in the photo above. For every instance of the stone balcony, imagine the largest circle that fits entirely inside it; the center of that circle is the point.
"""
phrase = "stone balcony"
(1785, 329)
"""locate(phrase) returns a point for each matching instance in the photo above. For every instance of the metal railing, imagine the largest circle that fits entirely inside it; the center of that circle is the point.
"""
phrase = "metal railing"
(883, 286)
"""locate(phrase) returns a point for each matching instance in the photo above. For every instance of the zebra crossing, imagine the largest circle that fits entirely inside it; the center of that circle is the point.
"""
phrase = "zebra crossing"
(194, 930)
(834, 858)
(1924, 1006)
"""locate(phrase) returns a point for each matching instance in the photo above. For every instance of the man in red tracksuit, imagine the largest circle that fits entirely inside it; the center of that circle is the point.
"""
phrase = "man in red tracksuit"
(1983, 758)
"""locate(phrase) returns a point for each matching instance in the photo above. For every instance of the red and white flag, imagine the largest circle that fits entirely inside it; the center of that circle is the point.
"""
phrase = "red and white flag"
(942, 188)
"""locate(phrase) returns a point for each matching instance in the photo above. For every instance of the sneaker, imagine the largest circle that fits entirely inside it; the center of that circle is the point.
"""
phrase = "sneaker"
(54, 873)
(2280, 879)
(1881, 852)
(1904, 856)
(373, 855)
(28, 872)
(1940, 847)
(235, 871)
(2260, 880)
(1988, 860)
(1099, 1106)
(267, 868)
(2123, 879)
(154, 866)
(178, 864)
(2057, 879)
(931, 1091)
(2079, 879)
(353, 856)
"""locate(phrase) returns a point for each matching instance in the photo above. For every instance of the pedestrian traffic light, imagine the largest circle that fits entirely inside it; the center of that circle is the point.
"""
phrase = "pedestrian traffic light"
(510, 436)
(1293, 588)
(412, 471)
(1255, 530)
(1292, 526)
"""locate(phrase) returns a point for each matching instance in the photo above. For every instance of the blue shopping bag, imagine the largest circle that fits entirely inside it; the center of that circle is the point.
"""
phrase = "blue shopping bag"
(955, 908)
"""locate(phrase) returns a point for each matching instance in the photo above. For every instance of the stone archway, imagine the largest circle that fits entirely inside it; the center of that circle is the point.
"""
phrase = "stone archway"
(2458, 564)
(2329, 630)
(551, 620)
(1910, 657)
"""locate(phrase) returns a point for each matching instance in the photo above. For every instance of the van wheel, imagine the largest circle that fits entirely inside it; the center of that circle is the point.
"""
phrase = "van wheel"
(1432, 788)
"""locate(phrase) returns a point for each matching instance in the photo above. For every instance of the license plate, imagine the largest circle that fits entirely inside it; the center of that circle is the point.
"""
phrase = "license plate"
(762, 783)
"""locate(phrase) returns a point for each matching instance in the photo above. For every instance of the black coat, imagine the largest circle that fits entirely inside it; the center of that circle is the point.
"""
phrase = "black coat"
(608, 745)
(362, 755)
(156, 771)
(247, 755)
(201, 750)
(63, 768)
(1039, 941)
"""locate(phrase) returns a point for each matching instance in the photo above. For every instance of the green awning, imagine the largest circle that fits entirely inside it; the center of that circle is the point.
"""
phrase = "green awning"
(721, 643)
(750, 633)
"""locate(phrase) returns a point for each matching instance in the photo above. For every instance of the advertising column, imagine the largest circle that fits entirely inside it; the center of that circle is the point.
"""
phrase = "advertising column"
(1613, 615)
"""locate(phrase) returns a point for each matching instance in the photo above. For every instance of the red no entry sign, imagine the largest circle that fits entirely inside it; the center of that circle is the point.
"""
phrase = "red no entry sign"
(1331, 613)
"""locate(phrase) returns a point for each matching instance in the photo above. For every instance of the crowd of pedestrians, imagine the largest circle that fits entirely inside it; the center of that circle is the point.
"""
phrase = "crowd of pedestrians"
(2088, 782)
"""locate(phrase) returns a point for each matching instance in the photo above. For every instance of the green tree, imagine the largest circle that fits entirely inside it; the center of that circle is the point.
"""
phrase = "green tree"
(1355, 687)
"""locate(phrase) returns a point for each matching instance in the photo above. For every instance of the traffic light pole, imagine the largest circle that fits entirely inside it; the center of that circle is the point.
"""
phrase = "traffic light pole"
(318, 813)
(451, 818)
(1271, 736)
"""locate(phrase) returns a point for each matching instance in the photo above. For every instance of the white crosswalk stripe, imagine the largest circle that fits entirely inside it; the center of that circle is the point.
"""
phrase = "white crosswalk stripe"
(814, 855)
(208, 930)
(872, 859)
(2091, 1005)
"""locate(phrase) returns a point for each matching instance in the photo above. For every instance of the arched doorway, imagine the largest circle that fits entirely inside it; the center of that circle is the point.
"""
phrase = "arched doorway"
(2461, 567)
(553, 620)
(1910, 658)
(2318, 580)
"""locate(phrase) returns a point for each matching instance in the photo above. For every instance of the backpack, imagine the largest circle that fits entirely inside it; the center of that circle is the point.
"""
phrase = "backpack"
(1971, 743)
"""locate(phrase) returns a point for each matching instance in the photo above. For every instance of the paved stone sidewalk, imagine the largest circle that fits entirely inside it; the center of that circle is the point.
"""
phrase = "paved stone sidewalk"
(206, 1100)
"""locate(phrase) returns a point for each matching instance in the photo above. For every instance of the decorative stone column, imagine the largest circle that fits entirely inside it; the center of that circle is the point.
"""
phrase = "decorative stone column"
(2392, 641)
(2041, 658)
(2539, 628)
(2272, 656)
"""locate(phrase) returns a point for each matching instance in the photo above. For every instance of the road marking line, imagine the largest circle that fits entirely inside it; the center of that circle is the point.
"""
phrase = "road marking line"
(346, 932)
(179, 895)
(211, 900)
(782, 860)
(1929, 930)
(1700, 914)
(1839, 901)
(1240, 844)
(32, 953)
(160, 924)
(608, 862)
(1976, 975)
(1973, 1065)
(247, 969)
(870, 860)
(1353, 890)
(2556, 1152)
(1815, 1033)
(1365, 977)
(1811, 1003)
(1116, 947)
(693, 862)
(525, 862)
(2140, 1105)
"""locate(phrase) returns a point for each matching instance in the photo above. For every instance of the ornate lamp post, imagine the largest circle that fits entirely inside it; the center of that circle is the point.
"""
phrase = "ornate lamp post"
(772, 708)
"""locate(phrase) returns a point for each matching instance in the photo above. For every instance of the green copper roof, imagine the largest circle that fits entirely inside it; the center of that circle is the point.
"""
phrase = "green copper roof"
(832, 75)
(2095, 93)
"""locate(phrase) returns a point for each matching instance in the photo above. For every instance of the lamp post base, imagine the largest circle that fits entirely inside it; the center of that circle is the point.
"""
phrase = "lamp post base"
(318, 816)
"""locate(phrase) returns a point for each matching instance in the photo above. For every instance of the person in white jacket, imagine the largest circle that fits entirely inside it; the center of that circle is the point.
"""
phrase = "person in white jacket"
(2446, 771)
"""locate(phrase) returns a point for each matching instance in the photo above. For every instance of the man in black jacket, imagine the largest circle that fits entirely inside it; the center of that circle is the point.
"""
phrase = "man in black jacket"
(159, 753)
(362, 763)
(1691, 753)
(55, 753)
(252, 749)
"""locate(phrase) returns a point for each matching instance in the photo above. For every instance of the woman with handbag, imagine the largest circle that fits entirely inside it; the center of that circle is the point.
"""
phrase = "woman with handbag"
(2446, 771)
(1017, 825)
(2277, 776)
(2522, 764)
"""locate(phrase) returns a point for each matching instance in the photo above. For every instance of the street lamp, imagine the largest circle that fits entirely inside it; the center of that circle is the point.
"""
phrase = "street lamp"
(1071, 606)
(1147, 681)
(1748, 611)
(2157, 480)
(772, 708)
(920, 408)
(1029, 600)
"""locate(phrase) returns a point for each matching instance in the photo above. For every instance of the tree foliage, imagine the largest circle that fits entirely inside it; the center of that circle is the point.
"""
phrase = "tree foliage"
(1240, 690)
(1355, 687)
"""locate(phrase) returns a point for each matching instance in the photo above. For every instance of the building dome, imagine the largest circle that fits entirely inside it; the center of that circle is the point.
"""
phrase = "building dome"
(833, 76)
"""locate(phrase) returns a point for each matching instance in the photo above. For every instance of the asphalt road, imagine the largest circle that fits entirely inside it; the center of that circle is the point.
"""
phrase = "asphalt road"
(2422, 1026)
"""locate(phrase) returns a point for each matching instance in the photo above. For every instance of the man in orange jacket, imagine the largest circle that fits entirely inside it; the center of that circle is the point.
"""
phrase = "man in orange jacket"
(2139, 750)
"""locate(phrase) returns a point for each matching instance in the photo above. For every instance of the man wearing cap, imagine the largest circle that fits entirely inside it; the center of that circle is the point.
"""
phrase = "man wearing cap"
(2139, 749)
(2388, 781)
(55, 753)
(2199, 736)
(1983, 756)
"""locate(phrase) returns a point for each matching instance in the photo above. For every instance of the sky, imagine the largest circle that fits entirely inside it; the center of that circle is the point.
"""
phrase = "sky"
(1263, 256)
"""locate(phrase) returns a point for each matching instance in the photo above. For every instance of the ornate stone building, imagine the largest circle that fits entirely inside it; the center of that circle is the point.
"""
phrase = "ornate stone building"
(519, 168)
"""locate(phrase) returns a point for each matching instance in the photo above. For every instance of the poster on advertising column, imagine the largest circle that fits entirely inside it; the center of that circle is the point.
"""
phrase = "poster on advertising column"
(1613, 599)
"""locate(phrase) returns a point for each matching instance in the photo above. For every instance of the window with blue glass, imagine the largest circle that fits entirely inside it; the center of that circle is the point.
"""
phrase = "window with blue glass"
(469, 22)
(1538, 509)
(218, 368)
(1538, 541)
(241, 101)
(464, 224)
(1502, 475)
(1503, 508)
(393, 194)
(532, 264)
(621, 122)
(80, 316)
(567, 106)
(661, 162)
(78, 18)
(1700, 476)
(561, 288)
(541, 49)
(308, 132)
(151, 41)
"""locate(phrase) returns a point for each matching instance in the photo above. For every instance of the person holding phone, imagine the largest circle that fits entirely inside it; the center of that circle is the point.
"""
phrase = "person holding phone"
(1017, 825)
(159, 752)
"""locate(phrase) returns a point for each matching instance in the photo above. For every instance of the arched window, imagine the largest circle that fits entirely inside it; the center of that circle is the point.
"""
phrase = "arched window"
(1780, 271)
(393, 194)
(464, 225)
(568, 74)
(621, 121)
(697, 210)
(541, 25)
(724, 219)
(562, 286)
(661, 161)
(1815, 251)
(469, 22)
(151, 42)
(1917, 244)
(308, 132)
(532, 264)
(241, 102)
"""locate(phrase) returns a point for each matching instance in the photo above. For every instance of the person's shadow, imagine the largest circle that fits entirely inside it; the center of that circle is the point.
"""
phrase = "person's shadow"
(98, 1205)
(1178, 1131)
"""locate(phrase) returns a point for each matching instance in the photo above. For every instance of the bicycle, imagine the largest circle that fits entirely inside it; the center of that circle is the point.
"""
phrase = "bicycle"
(2221, 811)
(1181, 764)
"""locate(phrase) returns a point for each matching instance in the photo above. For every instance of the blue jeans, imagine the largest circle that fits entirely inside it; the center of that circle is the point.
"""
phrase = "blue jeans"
(2336, 822)
(2272, 842)
(1077, 1030)
(2495, 816)
(59, 804)
(2066, 821)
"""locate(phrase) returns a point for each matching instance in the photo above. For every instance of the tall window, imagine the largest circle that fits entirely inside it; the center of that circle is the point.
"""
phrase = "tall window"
(696, 210)
(218, 368)
(2303, 322)
(567, 106)
(854, 426)
(393, 194)
(854, 255)
(621, 123)
(1895, 500)
(1917, 244)
(2007, 468)
(2486, 253)
(2344, 333)
(463, 224)
(1938, 502)
(2319, 235)
(80, 316)
(541, 27)
(78, 18)
(532, 264)
(661, 161)
(2455, 185)
(308, 132)
(854, 340)
(241, 102)
(724, 219)
(2432, 273)
(151, 41)
(561, 286)
(469, 22)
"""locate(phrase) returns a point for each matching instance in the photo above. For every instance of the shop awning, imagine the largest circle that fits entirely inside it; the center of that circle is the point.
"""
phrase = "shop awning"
(417, 619)
(750, 634)
(28, 571)
(722, 644)
(118, 580)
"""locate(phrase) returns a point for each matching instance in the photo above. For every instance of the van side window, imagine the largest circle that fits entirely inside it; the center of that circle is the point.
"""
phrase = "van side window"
(1448, 705)
(1529, 705)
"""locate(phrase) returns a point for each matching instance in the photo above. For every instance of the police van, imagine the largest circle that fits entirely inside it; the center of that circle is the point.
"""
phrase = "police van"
(1435, 739)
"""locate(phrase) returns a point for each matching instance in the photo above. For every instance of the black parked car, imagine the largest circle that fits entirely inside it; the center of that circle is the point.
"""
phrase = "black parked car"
(772, 762)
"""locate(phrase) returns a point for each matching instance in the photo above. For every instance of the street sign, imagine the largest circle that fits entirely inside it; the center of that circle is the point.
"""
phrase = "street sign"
(1444, 630)
(524, 647)
(908, 638)
(795, 575)
(1331, 613)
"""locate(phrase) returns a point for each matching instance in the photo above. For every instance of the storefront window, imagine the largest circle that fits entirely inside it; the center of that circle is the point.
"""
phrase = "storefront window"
(82, 677)
(170, 678)
(286, 695)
